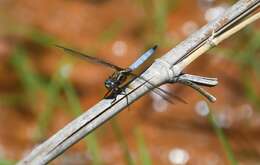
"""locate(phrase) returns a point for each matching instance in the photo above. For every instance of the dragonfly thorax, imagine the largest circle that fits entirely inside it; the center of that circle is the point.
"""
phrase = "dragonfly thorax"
(116, 79)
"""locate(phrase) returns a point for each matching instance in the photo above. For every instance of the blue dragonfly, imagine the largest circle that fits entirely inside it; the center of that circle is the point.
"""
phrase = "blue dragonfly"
(117, 82)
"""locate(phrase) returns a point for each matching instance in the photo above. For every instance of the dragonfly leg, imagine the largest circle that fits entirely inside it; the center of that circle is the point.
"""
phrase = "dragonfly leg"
(107, 94)
(114, 99)
(116, 91)
(110, 95)
(126, 95)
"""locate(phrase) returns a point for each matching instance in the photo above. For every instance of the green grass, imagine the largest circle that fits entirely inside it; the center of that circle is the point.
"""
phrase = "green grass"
(93, 148)
(111, 32)
(7, 162)
(24, 70)
(246, 56)
(248, 59)
(160, 16)
(122, 142)
(32, 83)
(11, 99)
(52, 98)
(29, 79)
(153, 26)
(59, 83)
(250, 92)
(73, 101)
(41, 38)
(222, 138)
(33, 34)
(143, 151)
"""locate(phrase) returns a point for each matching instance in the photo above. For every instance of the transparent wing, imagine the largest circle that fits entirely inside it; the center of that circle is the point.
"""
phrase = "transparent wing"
(161, 92)
(90, 58)
(143, 58)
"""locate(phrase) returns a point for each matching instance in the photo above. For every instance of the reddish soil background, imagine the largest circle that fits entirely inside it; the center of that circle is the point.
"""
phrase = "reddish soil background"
(79, 23)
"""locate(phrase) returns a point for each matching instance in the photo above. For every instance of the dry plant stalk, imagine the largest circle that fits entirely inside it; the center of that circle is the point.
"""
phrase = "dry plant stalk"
(163, 70)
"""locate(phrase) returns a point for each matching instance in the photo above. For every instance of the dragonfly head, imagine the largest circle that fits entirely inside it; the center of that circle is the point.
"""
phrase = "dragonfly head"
(110, 84)
(116, 79)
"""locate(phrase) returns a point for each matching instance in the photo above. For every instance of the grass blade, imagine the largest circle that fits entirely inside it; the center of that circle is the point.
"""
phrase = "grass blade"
(122, 143)
(142, 148)
(29, 79)
(222, 138)
(44, 118)
(6, 162)
(111, 32)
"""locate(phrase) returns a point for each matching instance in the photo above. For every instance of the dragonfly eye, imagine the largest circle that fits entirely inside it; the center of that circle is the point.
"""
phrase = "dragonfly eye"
(109, 84)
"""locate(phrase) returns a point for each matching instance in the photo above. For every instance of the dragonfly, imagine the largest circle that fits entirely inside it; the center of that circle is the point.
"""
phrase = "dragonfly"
(117, 82)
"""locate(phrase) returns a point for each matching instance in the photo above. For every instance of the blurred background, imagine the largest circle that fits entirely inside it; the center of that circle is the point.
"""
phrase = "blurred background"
(42, 88)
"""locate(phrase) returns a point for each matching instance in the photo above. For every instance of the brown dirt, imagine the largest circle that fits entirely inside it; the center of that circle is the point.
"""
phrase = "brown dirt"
(80, 23)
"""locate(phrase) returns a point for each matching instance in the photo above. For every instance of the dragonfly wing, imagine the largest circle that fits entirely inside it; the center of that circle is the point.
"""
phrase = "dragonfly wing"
(161, 92)
(90, 58)
(143, 58)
